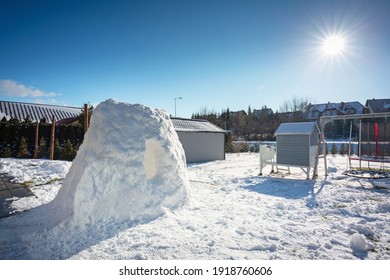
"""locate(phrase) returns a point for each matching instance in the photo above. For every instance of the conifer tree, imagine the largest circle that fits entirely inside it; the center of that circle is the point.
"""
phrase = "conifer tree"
(342, 150)
(333, 149)
(57, 149)
(69, 152)
(42, 148)
(229, 148)
(23, 148)
(6, 152)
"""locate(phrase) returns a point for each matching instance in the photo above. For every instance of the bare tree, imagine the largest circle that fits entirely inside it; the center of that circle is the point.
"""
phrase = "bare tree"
(294, 109)
(295, 104)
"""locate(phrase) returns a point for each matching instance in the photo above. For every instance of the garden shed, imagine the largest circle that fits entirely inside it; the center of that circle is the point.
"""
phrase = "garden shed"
(296, 144)
(202, 141)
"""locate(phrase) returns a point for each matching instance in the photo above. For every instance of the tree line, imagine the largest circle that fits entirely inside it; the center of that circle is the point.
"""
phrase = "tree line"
(261, 124)
(256, 125)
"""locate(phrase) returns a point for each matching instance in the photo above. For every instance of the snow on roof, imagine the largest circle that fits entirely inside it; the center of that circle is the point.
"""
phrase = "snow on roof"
(36, 112)
(195, 125)
(296, 128)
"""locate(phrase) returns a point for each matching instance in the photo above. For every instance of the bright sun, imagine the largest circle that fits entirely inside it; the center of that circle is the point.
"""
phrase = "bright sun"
(333, 45)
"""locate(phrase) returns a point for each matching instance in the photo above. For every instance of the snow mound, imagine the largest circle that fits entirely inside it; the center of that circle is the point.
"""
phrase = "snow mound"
(131, 167)
(358, 244)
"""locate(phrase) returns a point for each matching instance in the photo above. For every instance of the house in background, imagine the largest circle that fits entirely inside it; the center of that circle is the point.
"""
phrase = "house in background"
(315, 111)
(264, 112)
(202, 141)
(237, 114)
(380, 130)
(378, 105)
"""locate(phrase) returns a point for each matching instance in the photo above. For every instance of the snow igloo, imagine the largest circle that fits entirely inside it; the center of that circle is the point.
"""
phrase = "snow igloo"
(130, 167)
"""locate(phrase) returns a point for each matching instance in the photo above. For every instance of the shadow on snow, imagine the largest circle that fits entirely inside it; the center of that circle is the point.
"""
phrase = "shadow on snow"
(287, 188)
(30, 235)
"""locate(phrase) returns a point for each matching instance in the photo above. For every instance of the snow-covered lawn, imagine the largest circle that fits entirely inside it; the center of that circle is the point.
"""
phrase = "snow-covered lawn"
(232, 214)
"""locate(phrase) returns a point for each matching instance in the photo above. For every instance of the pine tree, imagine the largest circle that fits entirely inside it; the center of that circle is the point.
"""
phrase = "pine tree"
(57, 149)
(342, 150)
(6, 152)
(333, 150)
(23, 148)
(42, 148)
(229, 148)
(69, 152)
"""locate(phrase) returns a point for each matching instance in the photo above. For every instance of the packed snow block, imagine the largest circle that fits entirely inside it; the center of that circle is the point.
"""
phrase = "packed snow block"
(131, 167)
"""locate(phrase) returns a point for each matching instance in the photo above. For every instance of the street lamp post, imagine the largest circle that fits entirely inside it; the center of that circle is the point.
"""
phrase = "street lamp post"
(175, 103)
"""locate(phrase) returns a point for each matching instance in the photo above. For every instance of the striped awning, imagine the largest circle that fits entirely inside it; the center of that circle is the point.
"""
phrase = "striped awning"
(36, 112)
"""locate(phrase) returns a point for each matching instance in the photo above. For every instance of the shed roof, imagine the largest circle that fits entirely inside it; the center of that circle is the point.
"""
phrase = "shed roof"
(36, 112)
(195, 125)
(301, 128)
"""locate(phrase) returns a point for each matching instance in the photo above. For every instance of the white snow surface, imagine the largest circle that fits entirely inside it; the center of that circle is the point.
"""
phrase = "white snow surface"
(232, 213)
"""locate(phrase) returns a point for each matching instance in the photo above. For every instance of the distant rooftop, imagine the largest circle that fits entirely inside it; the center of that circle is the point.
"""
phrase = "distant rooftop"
(36, 112)
(195, 125)
(378, 105)
(341, 106)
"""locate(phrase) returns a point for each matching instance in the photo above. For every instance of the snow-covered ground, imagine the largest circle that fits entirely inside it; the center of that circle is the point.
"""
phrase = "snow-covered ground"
(232, 213)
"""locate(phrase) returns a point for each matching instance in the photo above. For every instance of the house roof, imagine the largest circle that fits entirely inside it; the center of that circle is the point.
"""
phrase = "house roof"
(298, 128)
(340, 107)
(36, 112)
(195, 125)
(378, 105)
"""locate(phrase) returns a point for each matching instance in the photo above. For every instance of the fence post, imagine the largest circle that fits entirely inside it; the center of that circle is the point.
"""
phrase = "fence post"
(36, 140)
(53, 129)
(86, 118)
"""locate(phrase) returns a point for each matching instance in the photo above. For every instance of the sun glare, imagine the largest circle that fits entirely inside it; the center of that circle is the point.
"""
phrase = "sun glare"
(333, 45)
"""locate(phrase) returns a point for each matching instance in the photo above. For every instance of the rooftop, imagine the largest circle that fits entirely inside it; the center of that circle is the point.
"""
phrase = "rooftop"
(36, 112)
(378, 105)
(296, 128)
(195, 125)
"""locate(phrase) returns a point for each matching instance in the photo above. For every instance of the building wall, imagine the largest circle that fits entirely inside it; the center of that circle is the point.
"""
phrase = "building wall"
(299, 150)
(293, 150)
(201, 147)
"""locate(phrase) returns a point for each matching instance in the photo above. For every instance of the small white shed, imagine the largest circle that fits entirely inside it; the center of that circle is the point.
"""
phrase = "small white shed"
(296, 144)
(202, 141)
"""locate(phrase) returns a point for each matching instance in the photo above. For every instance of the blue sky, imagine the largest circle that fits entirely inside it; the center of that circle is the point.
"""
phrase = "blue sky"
(213, 54)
